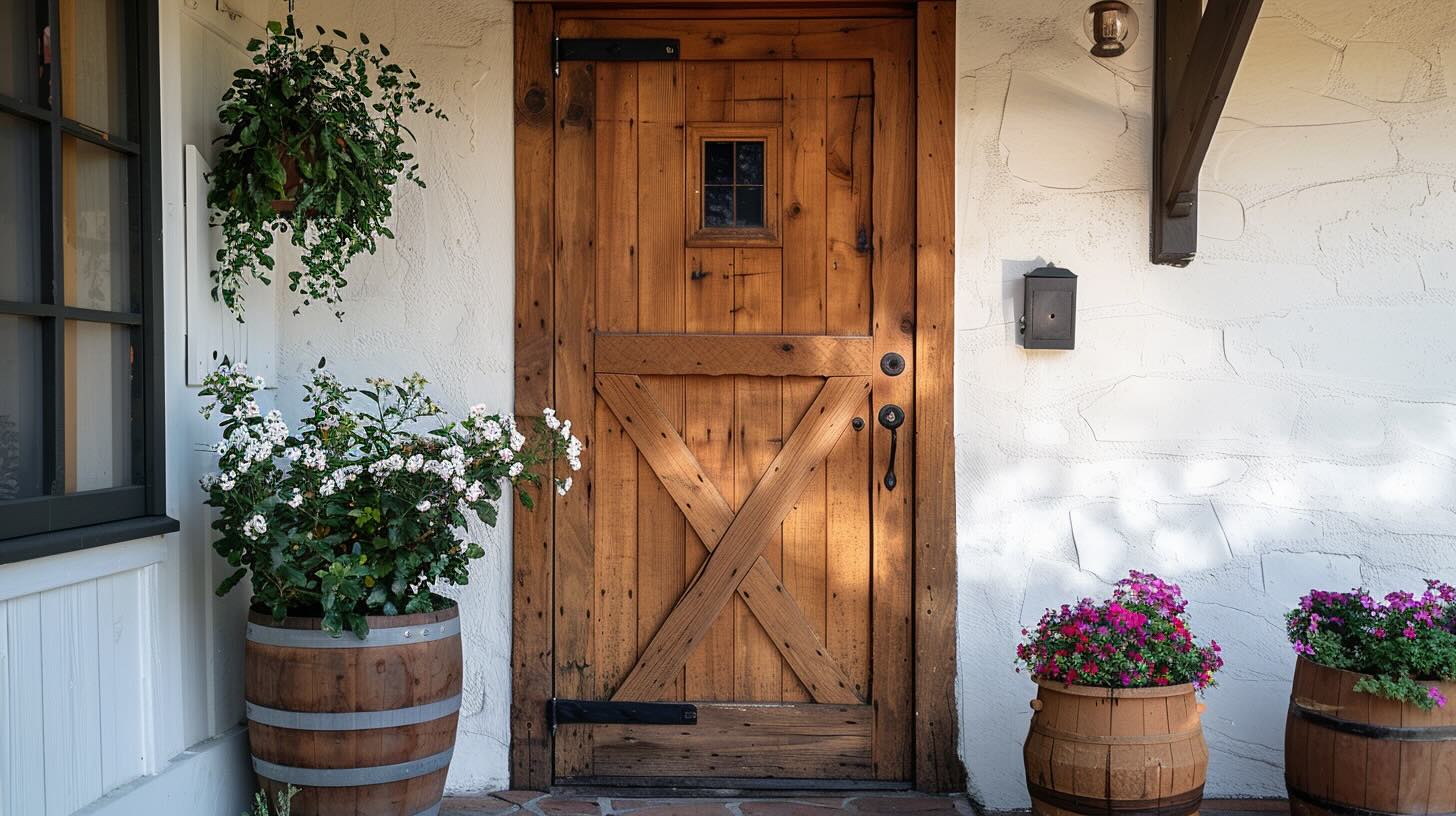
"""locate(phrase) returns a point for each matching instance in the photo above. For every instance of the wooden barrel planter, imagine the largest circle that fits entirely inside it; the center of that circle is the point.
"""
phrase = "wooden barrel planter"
(1353, 754)
(360, 727)
(1096, 751)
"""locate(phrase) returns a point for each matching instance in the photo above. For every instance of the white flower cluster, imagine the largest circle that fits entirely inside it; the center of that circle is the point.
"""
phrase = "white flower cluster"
(450, 466)
(255, 527)
(392, 464)
(339, 479)
(573, 445)
(230, 377)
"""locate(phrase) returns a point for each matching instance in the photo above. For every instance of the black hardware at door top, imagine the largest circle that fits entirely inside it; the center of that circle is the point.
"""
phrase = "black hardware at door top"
(891, 418)
(621, 49)
(602, 712)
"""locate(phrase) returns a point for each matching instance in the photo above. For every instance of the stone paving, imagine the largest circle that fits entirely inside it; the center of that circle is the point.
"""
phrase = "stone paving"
(542, 804)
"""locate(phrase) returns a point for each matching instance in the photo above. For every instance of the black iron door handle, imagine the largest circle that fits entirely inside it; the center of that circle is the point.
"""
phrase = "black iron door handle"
(891, 418)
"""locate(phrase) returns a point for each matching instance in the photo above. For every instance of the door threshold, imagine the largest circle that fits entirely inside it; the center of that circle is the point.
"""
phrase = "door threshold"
(707, 787)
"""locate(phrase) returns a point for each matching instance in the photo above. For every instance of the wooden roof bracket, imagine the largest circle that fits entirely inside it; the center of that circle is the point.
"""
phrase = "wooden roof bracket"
(1198, 54)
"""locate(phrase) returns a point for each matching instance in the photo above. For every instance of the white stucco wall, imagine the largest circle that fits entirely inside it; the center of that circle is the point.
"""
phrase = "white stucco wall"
(1281, 414)
(439, 299)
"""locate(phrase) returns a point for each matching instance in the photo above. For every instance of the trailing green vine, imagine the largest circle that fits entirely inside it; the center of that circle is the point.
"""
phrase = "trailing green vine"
(330, 114)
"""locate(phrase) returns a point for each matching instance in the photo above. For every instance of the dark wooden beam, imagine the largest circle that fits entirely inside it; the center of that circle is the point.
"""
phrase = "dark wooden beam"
(1198, 56)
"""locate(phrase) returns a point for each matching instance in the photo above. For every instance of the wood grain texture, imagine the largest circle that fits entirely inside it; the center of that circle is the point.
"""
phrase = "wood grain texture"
(893, 327)
(1327, 762)
(936, 742)
(367, 678)
(752, 355)
(1114, 751)
(800, 458)
(531, 532)
(661, 307)
(574, 576)
(614, 500)
(787, 742)
(710, 515)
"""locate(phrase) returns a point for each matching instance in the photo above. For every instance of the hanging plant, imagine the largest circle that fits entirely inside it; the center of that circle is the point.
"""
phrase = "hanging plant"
(313, 149)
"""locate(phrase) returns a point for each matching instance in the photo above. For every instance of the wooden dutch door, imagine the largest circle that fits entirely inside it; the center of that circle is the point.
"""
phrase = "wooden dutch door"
(735, 300)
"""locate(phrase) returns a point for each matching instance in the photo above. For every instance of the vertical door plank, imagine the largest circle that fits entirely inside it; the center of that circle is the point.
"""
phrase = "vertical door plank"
(939, 768)
(708, 432)
(848, 191)
(709, 91)
(804, 280)
(615, 510)
(893, 270)
(120, 643)
(758, 91)
(531, 638)
(575, 585)
(758, 419)
(661, 299)
(847, 311)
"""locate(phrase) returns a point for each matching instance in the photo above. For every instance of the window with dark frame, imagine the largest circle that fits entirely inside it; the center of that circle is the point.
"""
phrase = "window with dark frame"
(80, 376)
(733, 183)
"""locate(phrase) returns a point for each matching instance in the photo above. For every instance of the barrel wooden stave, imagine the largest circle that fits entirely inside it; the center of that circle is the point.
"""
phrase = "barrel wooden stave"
(363, 678)
(1328, 770)
(1129, 750)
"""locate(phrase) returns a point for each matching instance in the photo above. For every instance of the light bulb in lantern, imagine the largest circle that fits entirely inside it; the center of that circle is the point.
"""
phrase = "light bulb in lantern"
(1112, 27)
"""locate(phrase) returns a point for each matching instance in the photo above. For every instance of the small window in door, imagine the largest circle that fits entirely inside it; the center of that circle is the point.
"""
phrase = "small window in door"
(732, 185)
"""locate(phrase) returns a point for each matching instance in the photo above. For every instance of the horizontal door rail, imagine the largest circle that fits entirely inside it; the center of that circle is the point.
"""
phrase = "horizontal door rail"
(753, 355)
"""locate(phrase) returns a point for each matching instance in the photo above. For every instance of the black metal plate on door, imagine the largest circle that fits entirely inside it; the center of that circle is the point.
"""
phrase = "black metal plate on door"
(607, 712)
(617, 50)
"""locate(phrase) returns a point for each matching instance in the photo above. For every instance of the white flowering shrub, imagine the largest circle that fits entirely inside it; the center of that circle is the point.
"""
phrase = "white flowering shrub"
(356, 511)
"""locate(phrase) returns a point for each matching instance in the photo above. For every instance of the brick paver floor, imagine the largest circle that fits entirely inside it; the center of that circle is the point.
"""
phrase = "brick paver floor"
(543, 804)
(869, 804)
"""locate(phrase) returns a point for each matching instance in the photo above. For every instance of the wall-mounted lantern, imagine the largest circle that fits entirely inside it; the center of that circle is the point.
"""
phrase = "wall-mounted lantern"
(1112, 26)
(1050, 317)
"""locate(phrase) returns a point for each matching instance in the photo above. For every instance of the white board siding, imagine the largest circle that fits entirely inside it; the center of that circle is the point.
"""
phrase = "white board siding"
(74, 693)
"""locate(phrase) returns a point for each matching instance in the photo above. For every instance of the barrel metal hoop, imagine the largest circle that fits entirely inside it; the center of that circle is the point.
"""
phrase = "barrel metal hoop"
(1156, 739)
(1435, 733)
(319, 639)
(1184, 804)
(349, 777)
(1340, 808)
(352, 720)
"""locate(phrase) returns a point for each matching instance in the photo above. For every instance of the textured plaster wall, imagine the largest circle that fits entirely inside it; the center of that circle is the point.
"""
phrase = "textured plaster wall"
(439, 300)
(1279, 415)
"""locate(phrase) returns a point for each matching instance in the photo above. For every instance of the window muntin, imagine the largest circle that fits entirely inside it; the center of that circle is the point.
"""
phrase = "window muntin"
(80, 384)
(733, 184)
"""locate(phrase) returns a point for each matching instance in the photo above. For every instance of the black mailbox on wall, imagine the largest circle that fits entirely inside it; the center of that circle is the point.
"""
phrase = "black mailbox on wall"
(1050, 317)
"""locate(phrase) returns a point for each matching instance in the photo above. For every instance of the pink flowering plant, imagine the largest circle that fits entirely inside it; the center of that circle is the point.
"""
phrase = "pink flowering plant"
(1136, 639)
(360, 509)
(1402, 644)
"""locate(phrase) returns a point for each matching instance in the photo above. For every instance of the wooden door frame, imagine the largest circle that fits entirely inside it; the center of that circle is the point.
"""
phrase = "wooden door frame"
(936, 748)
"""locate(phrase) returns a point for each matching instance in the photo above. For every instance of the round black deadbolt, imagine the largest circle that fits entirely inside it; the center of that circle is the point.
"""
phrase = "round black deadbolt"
(892, 364)
(892, 417)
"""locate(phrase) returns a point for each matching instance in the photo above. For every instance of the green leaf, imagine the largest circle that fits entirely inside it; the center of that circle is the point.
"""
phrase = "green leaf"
(275, 27)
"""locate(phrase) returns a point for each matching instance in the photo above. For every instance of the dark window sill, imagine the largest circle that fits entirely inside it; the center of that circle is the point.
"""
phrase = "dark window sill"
(82, 538)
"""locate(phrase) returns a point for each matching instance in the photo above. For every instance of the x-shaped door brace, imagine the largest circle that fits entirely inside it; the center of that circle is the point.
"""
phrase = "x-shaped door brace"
(736, 540)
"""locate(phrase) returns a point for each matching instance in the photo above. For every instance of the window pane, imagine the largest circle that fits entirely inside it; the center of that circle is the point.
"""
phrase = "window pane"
(93, 63)
(718, 163)
(97, 263)
(750, 207)
(750, 163)
(22, 425)
(20, 49)
(102, 400)
(20, 203)
(718, 206)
